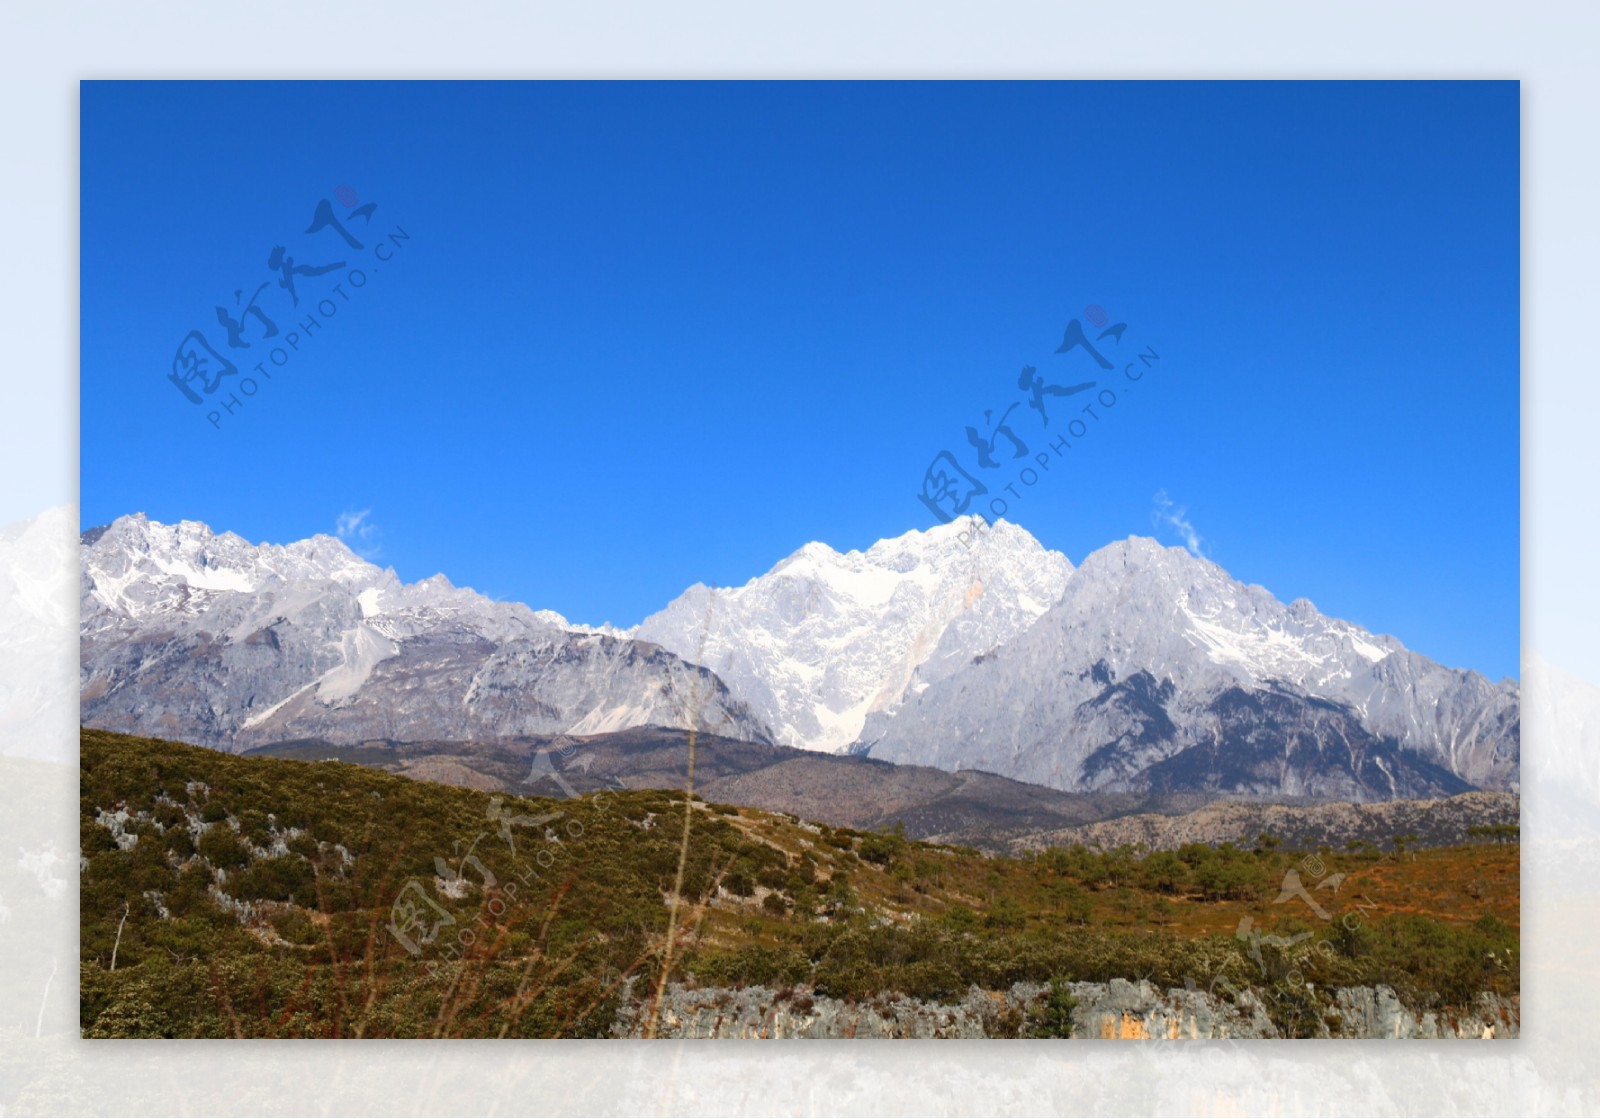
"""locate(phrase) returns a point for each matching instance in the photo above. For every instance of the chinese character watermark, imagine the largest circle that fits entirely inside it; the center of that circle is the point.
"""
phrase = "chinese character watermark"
(950, 490)
(207, 377)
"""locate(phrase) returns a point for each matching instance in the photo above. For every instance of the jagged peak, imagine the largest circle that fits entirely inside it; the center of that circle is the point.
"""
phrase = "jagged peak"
(964, 542)
(1144, 551)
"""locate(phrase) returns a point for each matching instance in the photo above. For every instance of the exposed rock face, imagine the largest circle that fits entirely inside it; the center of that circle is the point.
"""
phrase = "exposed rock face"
(188, 634)
(1105, 1011)
(1375, 1012)
(759, 1012)
(1157, 672)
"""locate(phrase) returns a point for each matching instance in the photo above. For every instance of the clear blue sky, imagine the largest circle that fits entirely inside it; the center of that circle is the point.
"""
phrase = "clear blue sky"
(644, 335)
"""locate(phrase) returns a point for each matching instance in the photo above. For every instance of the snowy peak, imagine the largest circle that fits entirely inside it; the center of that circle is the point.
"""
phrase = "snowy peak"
(1241, 628)
(825, 640)
(1157, 669)
(189, 633)
(135, 569)
(226, 561)
(135, 566)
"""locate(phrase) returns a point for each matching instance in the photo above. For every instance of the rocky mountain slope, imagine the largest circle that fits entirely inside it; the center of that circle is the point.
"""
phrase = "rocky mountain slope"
(190, 634)
(1157, 671)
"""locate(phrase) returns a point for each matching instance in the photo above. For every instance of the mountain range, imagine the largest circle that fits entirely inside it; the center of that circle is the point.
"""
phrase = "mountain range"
(1145, 670)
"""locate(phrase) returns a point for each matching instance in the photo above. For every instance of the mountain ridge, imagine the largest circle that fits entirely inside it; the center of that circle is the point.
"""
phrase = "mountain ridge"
(972, 807)
(1152, 652)
(193, 634)
(1142, 670)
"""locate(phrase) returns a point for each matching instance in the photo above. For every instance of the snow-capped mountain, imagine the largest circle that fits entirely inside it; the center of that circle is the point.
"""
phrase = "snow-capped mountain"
(1144, 670)
(191, 634)
(1158, 671)
(826, 642)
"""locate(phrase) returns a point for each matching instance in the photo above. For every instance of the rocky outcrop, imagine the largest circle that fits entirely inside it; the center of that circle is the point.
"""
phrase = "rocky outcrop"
(761, 1012)
(1376, 1012)
(1118, 1010)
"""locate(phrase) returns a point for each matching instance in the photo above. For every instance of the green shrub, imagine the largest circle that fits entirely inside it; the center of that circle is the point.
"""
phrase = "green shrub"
(288, 878)
(1052, 1015)
(222, 849)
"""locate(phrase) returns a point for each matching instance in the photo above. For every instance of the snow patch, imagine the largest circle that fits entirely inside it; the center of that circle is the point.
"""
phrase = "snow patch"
(207, 578)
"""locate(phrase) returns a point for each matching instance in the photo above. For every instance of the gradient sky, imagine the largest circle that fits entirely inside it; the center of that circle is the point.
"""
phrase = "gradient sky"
(644, 335)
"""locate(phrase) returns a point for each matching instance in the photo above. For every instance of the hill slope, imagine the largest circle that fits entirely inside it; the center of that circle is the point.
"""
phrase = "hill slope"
(235, 896)
(969, 807)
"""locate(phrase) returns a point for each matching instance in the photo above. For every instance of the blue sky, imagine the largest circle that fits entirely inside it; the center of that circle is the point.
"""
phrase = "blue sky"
(634, 336)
